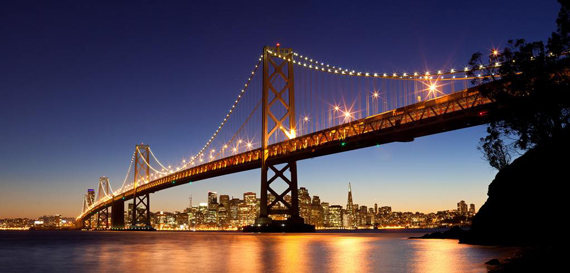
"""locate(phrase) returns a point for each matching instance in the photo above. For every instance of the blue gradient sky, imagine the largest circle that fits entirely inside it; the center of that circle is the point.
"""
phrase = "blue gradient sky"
(80, 84)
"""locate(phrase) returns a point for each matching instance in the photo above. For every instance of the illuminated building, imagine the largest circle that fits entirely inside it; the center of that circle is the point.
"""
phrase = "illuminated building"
(234, 211)
(335, 216)
(375, 208)
(316, 218)
(181, 218)
(211, 216)
(250, 198)
(472, 209)
(246, 215)
(462, 208)
(129, 216)
(385, 210)
(325, 206)
(225, 200)
(362, 215)
(212, 200)
(348, 217)
(222, 215)
(305, 204)
(370, 218)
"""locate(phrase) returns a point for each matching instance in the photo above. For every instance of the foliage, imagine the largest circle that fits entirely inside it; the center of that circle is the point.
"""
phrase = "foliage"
(530, 82)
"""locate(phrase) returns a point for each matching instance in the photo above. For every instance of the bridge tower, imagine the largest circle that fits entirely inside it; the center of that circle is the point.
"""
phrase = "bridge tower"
(278, 116)
(104, 190)
(141, 202)
(89, 201)
(86, 222)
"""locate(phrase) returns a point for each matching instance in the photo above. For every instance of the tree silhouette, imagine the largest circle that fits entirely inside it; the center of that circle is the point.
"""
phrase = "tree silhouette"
(530, 82)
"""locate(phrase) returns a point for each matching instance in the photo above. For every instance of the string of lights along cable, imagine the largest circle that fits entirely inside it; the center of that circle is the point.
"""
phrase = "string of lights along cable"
(326, 96)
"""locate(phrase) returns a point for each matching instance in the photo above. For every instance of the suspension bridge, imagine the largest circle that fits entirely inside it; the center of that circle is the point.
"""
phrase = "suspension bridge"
(297, 108)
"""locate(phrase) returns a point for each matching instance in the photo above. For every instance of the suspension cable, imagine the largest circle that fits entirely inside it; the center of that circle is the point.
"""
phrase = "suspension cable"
(226, 118)
(128, 172)
(241, 127)
(156, 159)
(321, 66)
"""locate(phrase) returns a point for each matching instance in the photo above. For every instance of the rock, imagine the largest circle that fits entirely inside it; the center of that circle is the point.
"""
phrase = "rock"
(453, 233)
(493, 262)
(525, 198)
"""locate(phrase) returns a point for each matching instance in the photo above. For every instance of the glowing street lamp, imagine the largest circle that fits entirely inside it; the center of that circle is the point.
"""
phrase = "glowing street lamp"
(336, 109)
(347, 116)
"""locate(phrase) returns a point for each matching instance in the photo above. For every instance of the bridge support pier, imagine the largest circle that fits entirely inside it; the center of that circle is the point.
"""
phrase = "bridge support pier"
(103, 218)
(295, 223)
(118, 215)
(87, 223)
(141, 213)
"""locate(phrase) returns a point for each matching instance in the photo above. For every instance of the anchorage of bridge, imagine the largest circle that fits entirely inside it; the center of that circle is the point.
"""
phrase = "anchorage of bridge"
(450, 112)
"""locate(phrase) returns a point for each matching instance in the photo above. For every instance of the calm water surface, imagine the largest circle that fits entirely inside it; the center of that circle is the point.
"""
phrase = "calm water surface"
(77, 251)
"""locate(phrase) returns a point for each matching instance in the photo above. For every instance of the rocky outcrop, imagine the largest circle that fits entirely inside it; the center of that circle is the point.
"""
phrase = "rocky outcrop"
(452, 233)
(526, 203)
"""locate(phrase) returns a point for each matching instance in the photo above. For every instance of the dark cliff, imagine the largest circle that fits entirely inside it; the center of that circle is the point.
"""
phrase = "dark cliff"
(527, 199)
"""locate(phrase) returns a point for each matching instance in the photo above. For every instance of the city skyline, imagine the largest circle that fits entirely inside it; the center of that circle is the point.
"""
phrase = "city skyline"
(224, 212)
(70, 117)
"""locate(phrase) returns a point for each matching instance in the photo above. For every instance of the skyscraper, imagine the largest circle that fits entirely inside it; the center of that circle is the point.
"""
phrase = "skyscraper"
(225, 200)
(335, 216)
(348, 217)
(316, 214)
(212, 200)
(349, 205)
(249, 198)
(462, 208)
(305, 204)
(375, 208)
(325, 206)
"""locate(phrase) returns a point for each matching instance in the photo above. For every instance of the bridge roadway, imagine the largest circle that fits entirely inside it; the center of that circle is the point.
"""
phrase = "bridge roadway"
(450, 112)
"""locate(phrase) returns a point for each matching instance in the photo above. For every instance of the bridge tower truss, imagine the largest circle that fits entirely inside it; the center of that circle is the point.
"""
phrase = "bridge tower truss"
(103, 218)
(141, 202)
(87, 224)
(104, 188)
(278, 117)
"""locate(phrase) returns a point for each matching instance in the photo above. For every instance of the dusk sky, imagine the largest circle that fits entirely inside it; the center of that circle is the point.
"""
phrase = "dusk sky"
(82, 83)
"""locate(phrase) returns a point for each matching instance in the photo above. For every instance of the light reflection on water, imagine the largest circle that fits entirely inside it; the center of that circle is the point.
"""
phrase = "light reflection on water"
(238, 252)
